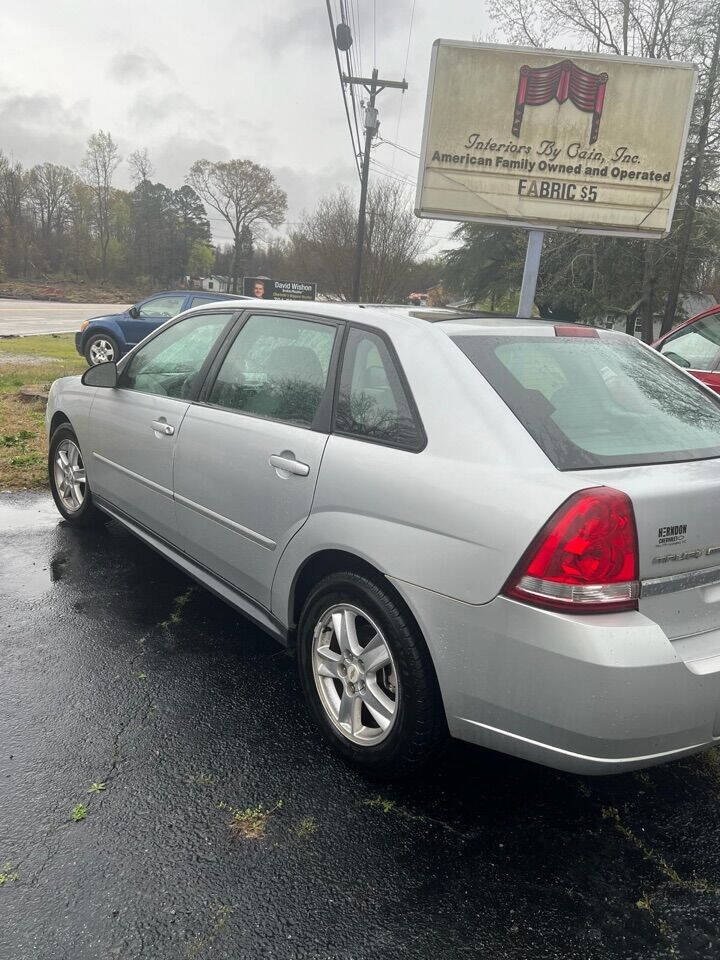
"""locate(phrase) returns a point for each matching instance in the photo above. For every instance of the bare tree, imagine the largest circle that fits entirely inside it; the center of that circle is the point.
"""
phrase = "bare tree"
(141, 167)
(14, 189)
(245, 195)
(100, 163)
(642, 28)
(51, 188)
(324, 243)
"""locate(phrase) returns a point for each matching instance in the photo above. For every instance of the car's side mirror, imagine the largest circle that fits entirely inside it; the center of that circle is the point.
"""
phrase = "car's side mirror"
(676, 358)
(102, 375)
(134, 312)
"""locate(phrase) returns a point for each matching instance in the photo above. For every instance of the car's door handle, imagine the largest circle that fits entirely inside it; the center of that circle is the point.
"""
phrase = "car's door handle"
(160, 426)
(288, 465)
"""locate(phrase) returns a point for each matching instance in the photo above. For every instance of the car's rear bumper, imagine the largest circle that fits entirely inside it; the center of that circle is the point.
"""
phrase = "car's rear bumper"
(79, 343)
(592, 694)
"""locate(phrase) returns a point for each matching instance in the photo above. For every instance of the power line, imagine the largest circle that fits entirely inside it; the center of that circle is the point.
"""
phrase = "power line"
(407, 57)
(343, 14)
(385, 171)
(398, 146)
(355, 10)
(374, 33)
(356, 151)
(407, 52)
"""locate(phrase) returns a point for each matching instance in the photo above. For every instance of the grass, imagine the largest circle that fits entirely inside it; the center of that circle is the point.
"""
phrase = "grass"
(23, 450)
(306, 827)
(78, 813)
(56, 346)
(251, 822)
(8, 874)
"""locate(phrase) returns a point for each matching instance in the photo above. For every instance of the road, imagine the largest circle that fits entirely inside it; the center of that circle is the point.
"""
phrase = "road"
(117, 670)
(23, 317)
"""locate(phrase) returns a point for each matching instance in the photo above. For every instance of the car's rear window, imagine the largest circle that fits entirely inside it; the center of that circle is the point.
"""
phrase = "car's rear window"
(599, 401)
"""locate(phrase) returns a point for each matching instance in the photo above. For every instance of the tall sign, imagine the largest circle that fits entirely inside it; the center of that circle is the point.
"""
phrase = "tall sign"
(548, 140)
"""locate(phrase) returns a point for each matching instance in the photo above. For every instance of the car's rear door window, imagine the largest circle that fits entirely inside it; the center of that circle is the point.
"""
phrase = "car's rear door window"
(276, 368)
(164, 307)
(598, 401)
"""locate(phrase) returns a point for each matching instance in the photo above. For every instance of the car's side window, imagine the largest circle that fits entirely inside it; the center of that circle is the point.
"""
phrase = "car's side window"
(199, 302)
(169, 364)
(277, 368)
(162, 307)
(696, 347)
(372, 402)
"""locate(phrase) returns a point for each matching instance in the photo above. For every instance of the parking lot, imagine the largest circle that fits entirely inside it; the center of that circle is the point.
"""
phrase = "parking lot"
(220, 826)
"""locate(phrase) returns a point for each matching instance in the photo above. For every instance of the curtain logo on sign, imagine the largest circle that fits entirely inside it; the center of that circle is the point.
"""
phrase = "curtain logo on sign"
(562, 81)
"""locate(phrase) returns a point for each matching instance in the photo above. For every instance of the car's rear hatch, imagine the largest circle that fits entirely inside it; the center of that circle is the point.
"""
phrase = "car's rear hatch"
(610, 412)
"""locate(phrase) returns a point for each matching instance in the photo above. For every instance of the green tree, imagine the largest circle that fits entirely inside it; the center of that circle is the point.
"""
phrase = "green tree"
(201, 259)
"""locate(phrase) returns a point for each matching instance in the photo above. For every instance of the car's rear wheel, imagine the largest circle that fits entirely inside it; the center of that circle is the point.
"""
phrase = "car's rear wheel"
(101, 348)
(68, 479)
(368, 677)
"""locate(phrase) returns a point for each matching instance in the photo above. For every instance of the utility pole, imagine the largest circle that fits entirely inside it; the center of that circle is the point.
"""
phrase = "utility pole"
(342, 41)
(373, 87)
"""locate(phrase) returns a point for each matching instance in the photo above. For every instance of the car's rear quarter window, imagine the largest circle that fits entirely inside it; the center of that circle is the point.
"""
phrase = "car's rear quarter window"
(598, 402)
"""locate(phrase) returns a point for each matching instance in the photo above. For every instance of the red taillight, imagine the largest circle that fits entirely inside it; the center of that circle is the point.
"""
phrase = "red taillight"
(584, 560)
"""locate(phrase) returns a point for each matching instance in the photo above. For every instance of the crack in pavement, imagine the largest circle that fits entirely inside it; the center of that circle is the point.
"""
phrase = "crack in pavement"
(695, 885)
(116, 754)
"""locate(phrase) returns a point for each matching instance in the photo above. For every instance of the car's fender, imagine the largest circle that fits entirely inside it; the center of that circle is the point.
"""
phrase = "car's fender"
(108, 325)
(69, 399)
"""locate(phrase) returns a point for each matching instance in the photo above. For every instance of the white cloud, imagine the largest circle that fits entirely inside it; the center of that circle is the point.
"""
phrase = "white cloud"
(236, 78)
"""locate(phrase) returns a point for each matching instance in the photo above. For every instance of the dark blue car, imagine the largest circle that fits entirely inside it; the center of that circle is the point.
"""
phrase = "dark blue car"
(108, 338)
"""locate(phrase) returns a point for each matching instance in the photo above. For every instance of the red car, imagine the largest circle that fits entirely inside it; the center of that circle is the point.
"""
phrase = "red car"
(695, 345)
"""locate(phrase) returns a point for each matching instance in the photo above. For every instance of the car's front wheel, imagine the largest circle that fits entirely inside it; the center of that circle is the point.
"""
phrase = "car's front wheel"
(68, 479)
(101, 348)
(368, 677)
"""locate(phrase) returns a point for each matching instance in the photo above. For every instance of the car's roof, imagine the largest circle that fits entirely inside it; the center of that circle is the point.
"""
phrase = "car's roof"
(210, 294)
(394, 316)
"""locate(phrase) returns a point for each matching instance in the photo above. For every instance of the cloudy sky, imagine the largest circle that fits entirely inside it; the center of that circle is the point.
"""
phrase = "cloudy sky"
(220, 79)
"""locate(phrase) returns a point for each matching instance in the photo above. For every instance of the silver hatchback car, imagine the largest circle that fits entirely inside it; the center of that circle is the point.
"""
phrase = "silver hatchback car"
(506, 531)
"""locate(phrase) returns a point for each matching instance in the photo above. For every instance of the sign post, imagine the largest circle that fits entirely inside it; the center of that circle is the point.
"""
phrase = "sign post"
(552, 140)
(530, 273)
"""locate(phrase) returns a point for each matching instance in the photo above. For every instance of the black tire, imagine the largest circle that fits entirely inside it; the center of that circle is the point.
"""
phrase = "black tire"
(419, 730)
(98, 338)
(87, 514)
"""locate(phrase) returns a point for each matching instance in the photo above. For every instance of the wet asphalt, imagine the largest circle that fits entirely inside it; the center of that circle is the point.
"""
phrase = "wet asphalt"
(115, 669)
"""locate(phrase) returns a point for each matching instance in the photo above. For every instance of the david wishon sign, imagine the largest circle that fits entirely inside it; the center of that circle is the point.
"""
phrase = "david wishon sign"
(547, 139)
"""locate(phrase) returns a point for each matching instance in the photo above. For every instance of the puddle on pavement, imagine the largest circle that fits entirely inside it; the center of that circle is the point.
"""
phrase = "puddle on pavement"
(27, 513)
(23, 576)
(22, 573)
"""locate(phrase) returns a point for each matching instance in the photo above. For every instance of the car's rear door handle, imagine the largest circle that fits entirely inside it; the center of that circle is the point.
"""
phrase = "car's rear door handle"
(288, 465)
(161, 426)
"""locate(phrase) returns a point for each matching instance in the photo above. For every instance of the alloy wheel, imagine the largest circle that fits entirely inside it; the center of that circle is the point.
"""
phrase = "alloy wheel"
(101, 351)
(355, 674)
(69, 475)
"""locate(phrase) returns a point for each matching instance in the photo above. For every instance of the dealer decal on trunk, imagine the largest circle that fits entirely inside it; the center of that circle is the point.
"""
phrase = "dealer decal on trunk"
(677, 533)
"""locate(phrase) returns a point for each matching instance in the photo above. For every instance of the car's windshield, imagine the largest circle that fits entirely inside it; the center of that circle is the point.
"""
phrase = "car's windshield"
(598, 402)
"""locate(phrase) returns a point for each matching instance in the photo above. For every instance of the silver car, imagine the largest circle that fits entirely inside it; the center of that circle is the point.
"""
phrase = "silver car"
(506, 531)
